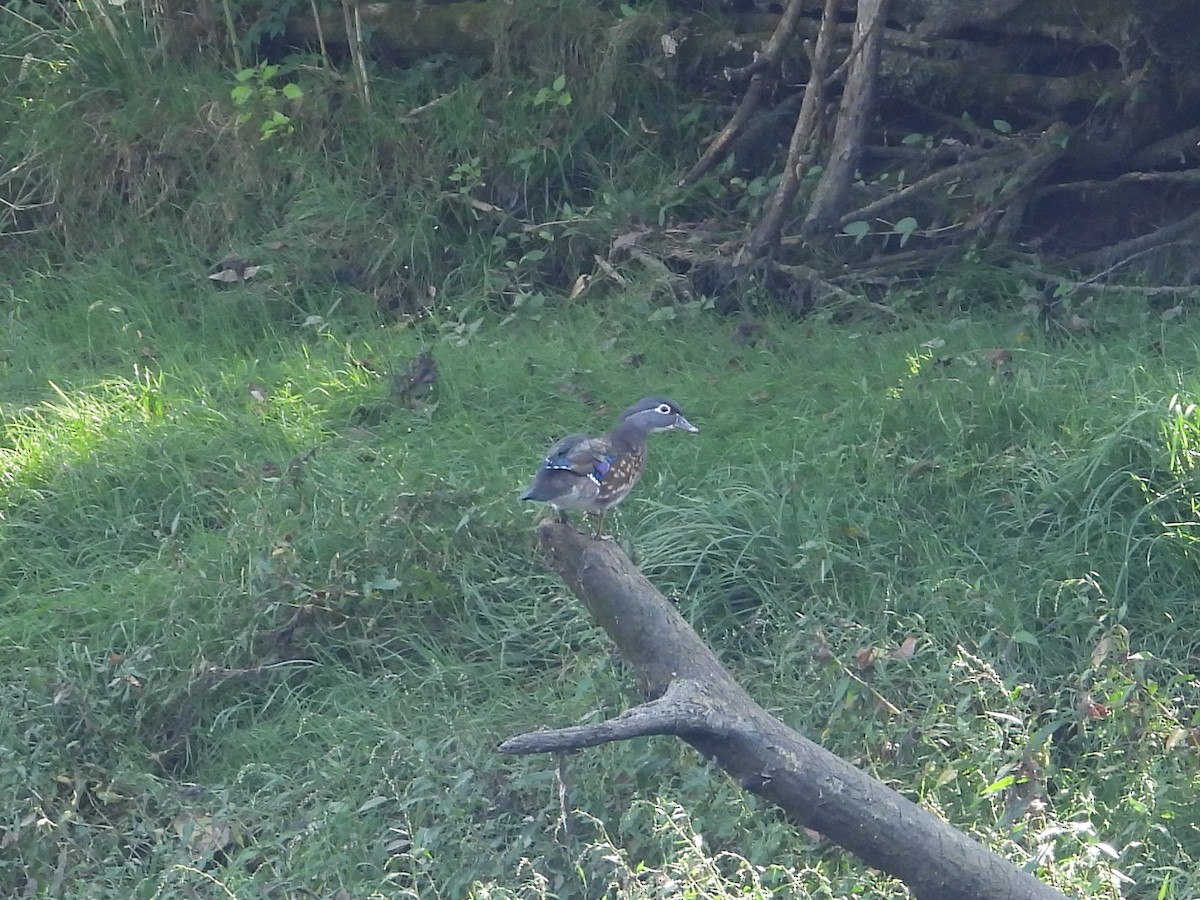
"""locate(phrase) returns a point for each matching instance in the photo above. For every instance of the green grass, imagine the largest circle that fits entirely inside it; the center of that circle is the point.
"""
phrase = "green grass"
(225, 672)
(263, 627)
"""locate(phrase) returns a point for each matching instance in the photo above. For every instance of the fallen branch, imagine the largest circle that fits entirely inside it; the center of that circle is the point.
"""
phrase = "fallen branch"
(690, 695)
(1114, 255)
(763, 72)
(804, 139)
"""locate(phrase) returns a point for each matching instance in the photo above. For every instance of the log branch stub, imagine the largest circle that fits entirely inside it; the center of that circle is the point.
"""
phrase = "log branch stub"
(690, 695)
(688, 707)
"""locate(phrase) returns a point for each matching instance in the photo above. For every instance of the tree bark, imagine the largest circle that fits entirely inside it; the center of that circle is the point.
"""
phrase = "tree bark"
(689, 695)
(832, 194)
(801, 148)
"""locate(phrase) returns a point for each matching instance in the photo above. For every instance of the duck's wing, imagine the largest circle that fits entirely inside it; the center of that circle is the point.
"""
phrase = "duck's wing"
(591, 457)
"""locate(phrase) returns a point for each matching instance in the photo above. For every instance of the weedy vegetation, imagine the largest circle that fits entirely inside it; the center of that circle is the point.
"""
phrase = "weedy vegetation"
(264, 624)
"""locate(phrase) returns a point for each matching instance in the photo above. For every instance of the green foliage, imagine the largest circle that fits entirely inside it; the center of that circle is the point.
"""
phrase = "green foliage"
(556, 94)
(256, 96)
(264, 665)
(905, 228)
(290, 164)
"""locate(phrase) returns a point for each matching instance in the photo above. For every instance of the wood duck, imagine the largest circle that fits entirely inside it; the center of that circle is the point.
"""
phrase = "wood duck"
(594, 474)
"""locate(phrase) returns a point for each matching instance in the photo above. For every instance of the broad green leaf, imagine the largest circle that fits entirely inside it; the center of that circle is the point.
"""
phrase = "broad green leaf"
(857, 230)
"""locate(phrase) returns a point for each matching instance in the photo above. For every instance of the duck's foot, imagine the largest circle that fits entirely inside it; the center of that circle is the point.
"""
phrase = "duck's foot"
(598, 534)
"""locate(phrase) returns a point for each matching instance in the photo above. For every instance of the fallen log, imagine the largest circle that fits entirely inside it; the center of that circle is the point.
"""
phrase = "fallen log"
(690, 695)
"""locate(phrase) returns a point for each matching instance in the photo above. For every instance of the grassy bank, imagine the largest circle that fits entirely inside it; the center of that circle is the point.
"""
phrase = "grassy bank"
(265, 625)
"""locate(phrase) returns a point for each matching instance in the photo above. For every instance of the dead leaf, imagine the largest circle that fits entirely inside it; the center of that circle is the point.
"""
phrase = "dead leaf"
(580, 285)
(1088, 707)
(400, 845)
(1173, 313)
(1098, 711)
(864, 657)
(627, 241)
(232, 275)
(822, 652)
(906, 650)
(1079, 323)
(411, 387)
(608, 269)
(1101, 650)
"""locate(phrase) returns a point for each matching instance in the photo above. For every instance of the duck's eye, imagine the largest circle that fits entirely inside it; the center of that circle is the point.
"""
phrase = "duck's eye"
(663, 409)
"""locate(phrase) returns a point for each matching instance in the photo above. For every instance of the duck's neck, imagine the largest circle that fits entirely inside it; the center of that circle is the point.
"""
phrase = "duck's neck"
(628, 436)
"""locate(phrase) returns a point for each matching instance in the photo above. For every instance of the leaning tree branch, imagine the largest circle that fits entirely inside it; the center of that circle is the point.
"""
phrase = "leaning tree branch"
(830, 197)
(1114, 254)
(762, 72)
(1187, 177)
(690, 695)
(964, 171)
(800, 150)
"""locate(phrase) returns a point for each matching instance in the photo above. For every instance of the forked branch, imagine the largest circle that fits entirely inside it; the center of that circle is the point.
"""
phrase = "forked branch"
(691, 696)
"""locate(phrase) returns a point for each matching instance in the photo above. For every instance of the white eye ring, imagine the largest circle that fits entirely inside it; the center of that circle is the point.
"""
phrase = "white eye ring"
(663, 409)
